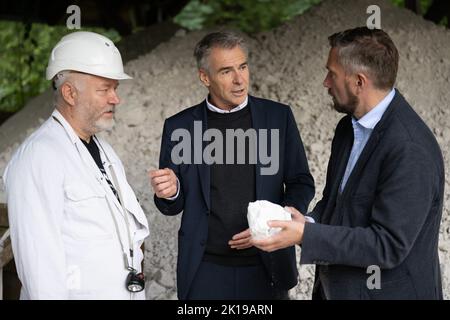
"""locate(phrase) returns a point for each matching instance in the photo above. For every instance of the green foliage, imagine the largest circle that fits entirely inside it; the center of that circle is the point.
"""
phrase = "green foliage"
(424, 4)
(247, 15)
(398, 3)
(23, 59)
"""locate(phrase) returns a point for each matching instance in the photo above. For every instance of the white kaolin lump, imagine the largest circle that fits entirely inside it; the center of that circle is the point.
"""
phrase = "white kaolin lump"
(261, 211)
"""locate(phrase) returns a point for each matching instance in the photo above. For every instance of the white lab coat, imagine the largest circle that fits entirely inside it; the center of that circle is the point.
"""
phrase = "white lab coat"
(63, 236)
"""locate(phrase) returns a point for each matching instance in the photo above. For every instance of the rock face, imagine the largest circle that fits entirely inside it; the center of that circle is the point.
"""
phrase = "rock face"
(287, 65)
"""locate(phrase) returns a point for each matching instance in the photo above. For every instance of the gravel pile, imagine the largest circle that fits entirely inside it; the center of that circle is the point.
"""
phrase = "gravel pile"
(287, 65)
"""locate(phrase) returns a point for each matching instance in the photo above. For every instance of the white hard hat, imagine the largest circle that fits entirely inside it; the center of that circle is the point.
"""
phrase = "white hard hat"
(86, 52)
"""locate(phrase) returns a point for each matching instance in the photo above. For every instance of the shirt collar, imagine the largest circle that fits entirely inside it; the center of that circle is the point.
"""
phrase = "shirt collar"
(371, 118)
(218, 110)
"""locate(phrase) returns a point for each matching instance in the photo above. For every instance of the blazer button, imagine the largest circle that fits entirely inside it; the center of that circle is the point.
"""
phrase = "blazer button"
(207, 213)
(202, 243)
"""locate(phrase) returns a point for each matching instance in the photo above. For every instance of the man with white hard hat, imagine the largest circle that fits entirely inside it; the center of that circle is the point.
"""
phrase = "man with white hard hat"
(76, 225)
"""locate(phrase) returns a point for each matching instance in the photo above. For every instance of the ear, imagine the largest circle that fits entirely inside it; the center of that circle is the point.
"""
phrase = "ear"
(204, 78)
(69, 93)
(361, 82)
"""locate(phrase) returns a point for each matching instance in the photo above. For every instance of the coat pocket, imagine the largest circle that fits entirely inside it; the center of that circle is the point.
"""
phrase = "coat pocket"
(398, 289)
(79, 191)
(87, 214)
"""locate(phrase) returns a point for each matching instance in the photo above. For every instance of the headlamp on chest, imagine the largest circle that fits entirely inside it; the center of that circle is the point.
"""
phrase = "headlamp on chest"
(135, 281)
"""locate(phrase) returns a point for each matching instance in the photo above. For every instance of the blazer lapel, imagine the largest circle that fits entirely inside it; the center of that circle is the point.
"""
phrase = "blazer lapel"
(259, 121)
(343, 156)
(341, 163)
(363, 158)
(203, 169)
(371, 145)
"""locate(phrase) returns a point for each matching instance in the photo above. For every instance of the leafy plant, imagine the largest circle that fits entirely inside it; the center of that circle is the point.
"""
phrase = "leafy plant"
(23, 59)
(247, 15)
(423, 4)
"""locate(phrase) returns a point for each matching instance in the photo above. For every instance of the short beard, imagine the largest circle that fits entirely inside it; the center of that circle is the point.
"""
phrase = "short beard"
(349, 107)
(99, 125)
(104, 125)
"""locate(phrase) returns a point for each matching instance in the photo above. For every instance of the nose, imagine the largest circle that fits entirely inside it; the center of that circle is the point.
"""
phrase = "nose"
(326, 82)
(237, 79)
(114, 98)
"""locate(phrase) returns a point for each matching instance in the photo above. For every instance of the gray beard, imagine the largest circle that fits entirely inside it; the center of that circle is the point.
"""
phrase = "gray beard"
(104, 125)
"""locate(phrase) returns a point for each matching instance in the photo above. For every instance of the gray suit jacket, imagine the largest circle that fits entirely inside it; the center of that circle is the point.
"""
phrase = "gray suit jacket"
(388, 214)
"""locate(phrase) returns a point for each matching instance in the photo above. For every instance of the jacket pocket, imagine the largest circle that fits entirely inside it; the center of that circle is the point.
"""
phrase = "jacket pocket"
(87, 214)
(79, 191)
(399, 289)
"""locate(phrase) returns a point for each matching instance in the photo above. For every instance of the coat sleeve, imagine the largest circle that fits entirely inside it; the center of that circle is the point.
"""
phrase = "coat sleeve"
(35, 196)
(169, 207)
(299, 183)
(408, 184)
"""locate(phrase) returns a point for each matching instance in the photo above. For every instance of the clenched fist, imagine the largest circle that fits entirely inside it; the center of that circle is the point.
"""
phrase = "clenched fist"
(164, 182)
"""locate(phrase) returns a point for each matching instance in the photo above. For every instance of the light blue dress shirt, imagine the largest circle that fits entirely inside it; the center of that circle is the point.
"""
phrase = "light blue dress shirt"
(362, 129)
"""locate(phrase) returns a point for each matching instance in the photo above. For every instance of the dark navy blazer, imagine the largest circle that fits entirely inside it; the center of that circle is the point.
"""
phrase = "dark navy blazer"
(388, 214)
(292, 185)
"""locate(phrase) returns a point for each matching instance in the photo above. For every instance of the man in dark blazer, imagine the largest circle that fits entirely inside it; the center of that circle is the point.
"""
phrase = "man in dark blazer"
(376, 228)
(215, 257)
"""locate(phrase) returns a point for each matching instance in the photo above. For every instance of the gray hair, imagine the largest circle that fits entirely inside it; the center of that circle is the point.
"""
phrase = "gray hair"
(59, 79)
(221, 39)
(370, 51)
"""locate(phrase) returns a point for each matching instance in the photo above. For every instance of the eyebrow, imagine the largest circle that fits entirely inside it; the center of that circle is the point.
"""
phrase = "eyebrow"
(229, 68)
(108, 84)
(225, 68)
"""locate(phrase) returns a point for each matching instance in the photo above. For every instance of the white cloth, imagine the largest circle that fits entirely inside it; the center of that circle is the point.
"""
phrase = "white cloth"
(62, 231)
(261, 211)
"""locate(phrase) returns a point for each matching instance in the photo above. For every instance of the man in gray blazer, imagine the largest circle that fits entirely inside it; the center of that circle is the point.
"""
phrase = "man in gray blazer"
(375, 231)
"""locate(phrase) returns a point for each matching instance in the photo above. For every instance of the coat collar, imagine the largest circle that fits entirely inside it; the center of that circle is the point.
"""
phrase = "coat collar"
(67, 127)
(372, 143)
(91, 166)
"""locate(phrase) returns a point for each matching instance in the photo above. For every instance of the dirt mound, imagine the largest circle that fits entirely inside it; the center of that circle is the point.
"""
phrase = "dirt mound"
(288, 65)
